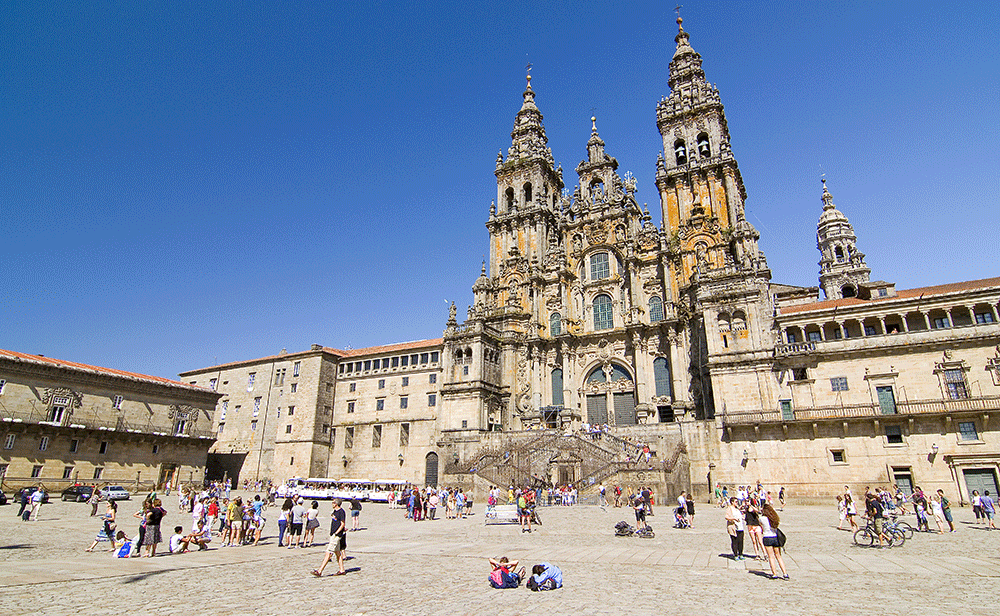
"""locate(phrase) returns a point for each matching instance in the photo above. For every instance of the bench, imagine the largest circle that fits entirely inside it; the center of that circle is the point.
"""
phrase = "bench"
(501, 514)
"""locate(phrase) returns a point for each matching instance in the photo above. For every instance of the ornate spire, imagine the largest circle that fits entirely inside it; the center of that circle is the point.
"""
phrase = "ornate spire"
(841, 265)
(595, 145)
(528, 138)
(827, 198)
(686, 63)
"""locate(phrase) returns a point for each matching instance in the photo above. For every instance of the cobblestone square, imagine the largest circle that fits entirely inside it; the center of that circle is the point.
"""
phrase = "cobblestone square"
(397, 566)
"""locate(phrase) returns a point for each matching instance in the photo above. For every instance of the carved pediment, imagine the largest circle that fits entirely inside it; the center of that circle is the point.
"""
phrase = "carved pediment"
(50, 393)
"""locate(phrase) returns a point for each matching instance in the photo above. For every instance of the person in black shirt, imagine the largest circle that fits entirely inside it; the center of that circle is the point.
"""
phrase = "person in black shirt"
(876, 513)
(338, 540)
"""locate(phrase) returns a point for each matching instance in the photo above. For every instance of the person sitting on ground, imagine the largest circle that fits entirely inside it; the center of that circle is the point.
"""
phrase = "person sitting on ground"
(125, 549)
(545, 576)
(176, 539)
(201, 537)
(502, 575)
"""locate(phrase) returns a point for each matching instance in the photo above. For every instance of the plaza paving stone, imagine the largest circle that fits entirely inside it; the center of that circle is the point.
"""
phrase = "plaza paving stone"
(401, 567)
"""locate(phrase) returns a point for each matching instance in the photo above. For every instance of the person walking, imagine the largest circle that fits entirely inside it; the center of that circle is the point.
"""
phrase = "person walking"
(988, 508)
(769, 521)
(338, 540)
(26, 498)
(851, 512)
(977, 506)
(39, 495)
(95, 498)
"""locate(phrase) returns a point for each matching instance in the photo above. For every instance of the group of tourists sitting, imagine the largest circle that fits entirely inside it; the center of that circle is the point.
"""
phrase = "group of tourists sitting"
(505, 574)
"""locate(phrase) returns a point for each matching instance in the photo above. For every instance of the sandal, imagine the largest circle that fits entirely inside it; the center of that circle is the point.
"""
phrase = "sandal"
(341, 573)
(316, 573)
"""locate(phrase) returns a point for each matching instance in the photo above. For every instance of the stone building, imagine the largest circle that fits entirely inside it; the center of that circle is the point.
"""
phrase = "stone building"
(673, 336)
(274, 414)
(65, 422)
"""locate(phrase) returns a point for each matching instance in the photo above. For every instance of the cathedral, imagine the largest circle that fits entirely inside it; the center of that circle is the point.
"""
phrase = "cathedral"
(595, 335)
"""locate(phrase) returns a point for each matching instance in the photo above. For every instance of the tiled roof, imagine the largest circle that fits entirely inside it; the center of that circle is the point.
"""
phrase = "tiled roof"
(391, 348)
(375, 350)
(263, 360)
(941, 289)
(78, 367)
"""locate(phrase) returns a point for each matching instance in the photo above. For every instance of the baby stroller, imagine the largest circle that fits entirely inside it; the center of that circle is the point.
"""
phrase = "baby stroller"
(680, 518)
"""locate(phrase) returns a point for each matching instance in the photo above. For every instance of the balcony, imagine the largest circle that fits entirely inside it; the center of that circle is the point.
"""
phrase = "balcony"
(89, 421)
(868, 410)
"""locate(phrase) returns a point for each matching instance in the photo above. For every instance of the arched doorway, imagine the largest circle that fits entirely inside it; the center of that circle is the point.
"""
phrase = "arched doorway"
(610, 387)
(431, 469)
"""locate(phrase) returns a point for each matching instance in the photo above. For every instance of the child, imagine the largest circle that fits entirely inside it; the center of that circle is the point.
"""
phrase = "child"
(125, 549)
(176, 540)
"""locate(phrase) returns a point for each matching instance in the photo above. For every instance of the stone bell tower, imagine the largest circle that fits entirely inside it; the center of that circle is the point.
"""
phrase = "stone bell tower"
(841, 265)
(713, 265)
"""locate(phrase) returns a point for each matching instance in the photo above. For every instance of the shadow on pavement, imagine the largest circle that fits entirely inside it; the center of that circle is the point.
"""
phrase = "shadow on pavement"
(143, 576)
(16, 546)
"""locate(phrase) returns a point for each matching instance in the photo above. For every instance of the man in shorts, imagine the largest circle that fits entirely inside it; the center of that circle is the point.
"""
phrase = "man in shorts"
(295, 528)
(355, 512)
(640, 512)
(338, 541)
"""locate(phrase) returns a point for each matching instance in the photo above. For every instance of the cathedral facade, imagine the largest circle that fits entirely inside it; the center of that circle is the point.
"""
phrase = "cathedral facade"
(589, 314)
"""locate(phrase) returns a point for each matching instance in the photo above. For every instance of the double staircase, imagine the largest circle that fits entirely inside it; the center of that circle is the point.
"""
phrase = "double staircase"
(543, 458)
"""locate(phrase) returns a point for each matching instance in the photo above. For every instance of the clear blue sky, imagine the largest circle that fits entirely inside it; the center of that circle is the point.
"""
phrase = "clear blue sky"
(186, 185)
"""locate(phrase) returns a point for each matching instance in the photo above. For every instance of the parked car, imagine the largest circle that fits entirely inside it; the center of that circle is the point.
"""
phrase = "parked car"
(115, 493)
(80, 494)
(29, 491)
(3, 498)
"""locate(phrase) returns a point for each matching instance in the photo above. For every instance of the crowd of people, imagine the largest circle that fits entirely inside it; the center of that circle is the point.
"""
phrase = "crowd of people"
(879, 504)
(422, 504)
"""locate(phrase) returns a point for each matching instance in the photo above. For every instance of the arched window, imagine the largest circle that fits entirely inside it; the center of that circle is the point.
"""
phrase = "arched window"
(597, 189)
(557, 387)
(604, 317)
(597, 376)
(510, 199)
(527, 193)
(703, 148)
(680, 152)
(618, 373)
(725, 323)
(739, 320)
(839, 253)
(600, 267)
(661, 374)
(555, 324)
(655, 309)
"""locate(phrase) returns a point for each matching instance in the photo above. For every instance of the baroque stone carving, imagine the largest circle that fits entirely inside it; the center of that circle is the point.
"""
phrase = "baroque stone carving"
(597, 232)
(76, 398)
(184, 412)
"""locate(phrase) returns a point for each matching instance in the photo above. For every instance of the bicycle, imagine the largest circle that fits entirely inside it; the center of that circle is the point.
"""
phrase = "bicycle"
(867, 537)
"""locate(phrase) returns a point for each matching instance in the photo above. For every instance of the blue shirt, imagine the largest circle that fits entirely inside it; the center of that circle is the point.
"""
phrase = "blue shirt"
(551, 572)
(987, 503)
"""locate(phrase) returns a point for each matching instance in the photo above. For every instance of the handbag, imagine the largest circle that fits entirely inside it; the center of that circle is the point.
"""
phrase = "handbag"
(781, 537)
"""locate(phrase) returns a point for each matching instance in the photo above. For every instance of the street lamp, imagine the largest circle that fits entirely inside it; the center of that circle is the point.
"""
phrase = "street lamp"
(345, 461)
(401, 459)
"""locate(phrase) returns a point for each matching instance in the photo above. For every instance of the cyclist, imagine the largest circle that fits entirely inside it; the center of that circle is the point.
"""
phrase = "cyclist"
(876, 513)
